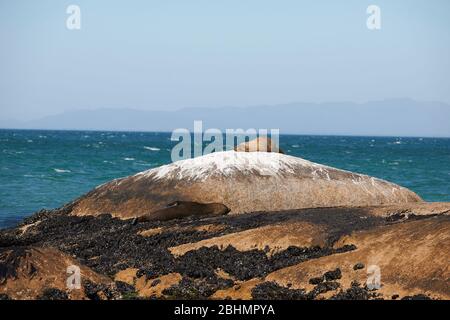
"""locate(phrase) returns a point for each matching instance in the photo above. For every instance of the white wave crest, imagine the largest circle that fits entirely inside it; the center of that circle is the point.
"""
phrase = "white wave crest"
(62, 170)
(152, 148)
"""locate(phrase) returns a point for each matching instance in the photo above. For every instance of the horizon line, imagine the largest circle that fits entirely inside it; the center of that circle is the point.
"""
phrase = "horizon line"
(281, 134)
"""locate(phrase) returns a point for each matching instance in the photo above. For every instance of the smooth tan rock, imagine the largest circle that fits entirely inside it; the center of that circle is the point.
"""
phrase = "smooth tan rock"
(208, 228)
(241, 291)
(412, 258)
(154, 287)
(29, 271)
(127, 276)
(275, 238)
(242, 181)
(408, 209)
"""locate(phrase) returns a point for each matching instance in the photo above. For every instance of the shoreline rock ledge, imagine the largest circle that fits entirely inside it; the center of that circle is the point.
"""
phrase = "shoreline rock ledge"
(244, 182)
(279, 252)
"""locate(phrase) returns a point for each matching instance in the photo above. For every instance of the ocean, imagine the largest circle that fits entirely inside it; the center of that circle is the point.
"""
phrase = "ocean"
(42, 169)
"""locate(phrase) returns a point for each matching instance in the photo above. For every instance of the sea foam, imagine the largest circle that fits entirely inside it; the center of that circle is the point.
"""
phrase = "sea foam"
(62, 170)
(152, 148)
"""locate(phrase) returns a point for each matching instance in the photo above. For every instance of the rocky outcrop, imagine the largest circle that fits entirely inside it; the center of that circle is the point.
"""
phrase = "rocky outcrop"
(321, 253)
(411, 259)
(41, 273)
(296, 230)
(243, 182)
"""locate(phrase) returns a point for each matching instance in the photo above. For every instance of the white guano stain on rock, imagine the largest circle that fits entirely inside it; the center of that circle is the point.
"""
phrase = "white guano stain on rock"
(229, 163)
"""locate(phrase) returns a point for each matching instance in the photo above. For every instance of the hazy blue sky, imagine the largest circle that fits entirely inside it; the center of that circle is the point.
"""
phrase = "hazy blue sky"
(200, 53)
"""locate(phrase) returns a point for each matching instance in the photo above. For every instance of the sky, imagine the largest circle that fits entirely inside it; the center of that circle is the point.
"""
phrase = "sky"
(171, 54)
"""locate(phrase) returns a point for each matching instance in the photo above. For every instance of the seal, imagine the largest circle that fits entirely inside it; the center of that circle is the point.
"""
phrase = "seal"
(182, 209)
(260, 144)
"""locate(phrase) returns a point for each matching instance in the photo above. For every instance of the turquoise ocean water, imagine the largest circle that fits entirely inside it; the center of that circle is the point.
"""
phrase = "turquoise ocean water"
(45, 169)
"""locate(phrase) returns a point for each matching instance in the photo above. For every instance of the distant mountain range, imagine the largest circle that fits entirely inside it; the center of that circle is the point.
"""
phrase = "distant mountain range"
(399, 117)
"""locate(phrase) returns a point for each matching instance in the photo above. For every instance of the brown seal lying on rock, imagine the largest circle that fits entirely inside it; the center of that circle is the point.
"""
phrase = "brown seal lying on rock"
(260, 144)
(182, 209)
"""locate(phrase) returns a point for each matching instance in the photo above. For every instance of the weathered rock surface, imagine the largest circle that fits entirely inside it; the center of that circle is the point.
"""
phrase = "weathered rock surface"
(242, 181)
(412, 259)
(41, 273)
(322, 253)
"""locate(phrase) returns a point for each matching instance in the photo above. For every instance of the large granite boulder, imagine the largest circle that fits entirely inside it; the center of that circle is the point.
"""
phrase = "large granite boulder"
(244, 182)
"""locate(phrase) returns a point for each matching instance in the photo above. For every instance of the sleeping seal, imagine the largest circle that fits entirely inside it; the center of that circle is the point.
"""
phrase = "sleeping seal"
(260, 144)
(182, 209)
